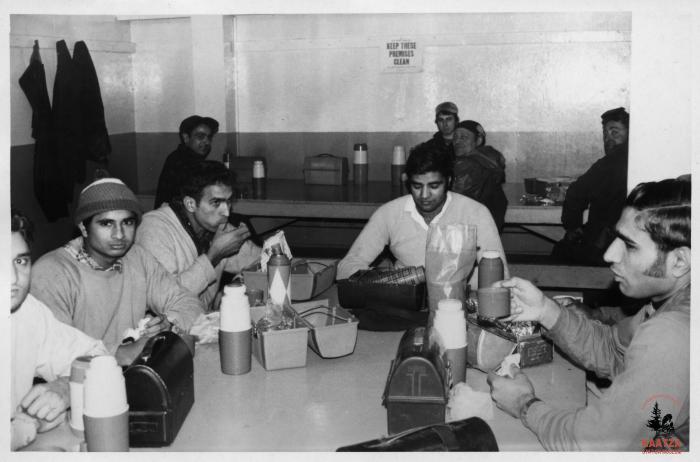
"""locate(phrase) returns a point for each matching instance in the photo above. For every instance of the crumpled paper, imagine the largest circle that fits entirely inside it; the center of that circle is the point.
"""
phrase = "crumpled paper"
(206, 328)
(266, 253)
(135, 334)
(504, 368)
(464, 402)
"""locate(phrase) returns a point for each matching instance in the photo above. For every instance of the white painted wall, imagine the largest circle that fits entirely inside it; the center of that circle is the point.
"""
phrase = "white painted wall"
(110, 49)
(512, 72)
(661, 141)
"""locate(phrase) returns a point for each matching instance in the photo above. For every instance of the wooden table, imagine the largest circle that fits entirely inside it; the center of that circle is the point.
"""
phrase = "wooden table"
(294, 199)
(327, 404)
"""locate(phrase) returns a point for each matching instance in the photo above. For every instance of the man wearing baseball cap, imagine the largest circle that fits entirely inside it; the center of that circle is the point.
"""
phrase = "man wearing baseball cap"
(196, 134)
(101, 283)
(446, 119)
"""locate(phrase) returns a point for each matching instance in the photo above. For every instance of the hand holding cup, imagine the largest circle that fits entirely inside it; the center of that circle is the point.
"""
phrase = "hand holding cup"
(528, 303)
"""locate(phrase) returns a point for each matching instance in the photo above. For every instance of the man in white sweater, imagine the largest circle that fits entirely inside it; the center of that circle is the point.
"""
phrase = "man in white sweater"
(42, 347)
(402, 223)
(191, 235)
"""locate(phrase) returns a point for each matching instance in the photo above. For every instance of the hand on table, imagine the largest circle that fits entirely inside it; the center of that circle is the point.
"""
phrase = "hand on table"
(227, 240)
(528, 303)
(510, 394)
(47, 402)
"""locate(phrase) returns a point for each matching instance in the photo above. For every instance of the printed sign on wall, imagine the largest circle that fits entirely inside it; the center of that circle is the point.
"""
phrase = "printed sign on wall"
(401, 55)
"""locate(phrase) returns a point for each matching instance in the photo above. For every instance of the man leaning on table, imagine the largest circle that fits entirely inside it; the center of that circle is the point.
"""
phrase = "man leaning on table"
(191, 235)
(103, 284)
(402, 223)
(42, 347)
(646, 356)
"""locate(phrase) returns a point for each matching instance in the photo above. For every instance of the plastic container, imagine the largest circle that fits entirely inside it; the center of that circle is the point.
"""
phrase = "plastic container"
(332, 330)
(280, 349)
(319, 276)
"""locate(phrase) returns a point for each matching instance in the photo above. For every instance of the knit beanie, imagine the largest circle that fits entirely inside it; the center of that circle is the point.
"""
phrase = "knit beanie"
(104, 195)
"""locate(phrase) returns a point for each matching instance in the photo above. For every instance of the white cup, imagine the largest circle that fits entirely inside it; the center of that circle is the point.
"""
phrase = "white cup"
(451, 323)
(235, 309)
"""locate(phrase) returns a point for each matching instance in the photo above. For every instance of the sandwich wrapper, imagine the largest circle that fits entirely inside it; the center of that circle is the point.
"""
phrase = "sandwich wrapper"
(465, 402)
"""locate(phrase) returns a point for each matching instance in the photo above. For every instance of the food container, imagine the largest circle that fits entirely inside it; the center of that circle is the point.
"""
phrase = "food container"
(279, 349)
(489, 342)
(243, 167)
(325, 169)
(332, 330)
(309, 277)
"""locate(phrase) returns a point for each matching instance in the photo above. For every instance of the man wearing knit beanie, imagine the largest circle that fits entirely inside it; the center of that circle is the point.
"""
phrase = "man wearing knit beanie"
(103, 284)
(446, 119)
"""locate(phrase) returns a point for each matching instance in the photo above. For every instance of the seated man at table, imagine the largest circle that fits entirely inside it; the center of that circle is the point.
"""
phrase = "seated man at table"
(191, 236)
(402, 224)
(479, 169)
(101, 283)
(196, 135)
(601, 190)
(446, 119)
(646, 356)
(41, 347)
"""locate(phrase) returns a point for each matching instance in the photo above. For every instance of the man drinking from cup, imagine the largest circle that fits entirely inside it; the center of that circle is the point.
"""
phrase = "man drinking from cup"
(646, 356)
(42, 347)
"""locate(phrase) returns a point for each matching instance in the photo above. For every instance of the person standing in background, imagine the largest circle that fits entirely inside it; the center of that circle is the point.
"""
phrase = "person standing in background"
(446, 119)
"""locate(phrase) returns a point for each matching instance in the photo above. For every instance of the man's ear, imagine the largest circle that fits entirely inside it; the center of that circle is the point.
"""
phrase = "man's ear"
(189, 203)
(680, 265)
(82, 229)
(185, 137)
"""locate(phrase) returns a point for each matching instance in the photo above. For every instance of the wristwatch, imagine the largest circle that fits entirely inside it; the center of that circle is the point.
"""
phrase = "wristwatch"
(526, 407)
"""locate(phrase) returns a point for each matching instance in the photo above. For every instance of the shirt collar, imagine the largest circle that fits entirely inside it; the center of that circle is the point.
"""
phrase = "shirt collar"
(76, 248)
(410, 207)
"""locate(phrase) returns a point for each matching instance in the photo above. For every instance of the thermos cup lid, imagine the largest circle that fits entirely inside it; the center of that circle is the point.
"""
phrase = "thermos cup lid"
(491, 254)
(237, 289)
(450, 304)
(360, 147)
(78, 368)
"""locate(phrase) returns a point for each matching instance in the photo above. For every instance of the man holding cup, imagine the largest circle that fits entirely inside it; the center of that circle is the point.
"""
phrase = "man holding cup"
(646, 356)
(42, 347)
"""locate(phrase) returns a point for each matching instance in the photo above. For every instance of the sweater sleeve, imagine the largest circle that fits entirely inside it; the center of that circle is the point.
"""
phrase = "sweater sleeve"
(51, 284)
(368, 245)
(655, 369)
(158, 240)
(165, 295)
(247, 254)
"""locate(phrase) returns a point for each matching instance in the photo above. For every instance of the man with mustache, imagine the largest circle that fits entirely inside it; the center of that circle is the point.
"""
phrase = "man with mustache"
(191, 235)
(647, 356)
(402, 224)
(601, 190)
(101, 283)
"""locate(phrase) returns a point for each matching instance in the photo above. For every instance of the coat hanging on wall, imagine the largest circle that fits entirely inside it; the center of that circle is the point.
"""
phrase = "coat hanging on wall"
(66, 119)
(48, 186)
(94, 140)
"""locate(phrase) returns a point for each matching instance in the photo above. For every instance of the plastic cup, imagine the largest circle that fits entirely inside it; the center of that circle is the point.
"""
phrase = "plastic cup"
(107, 434)
(494, 302)
(255, 296)
(235, 351)
(458, 363)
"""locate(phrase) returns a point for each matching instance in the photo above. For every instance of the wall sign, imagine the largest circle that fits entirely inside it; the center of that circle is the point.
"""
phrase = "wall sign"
(401, 55)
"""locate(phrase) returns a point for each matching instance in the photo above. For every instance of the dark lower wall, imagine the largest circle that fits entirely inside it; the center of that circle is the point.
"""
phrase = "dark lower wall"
(49, 235)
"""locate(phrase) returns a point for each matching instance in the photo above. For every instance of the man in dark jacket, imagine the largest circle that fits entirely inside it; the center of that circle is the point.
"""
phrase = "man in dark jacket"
(601, 190)
(479, 169)
(196, 134)
(446, 119)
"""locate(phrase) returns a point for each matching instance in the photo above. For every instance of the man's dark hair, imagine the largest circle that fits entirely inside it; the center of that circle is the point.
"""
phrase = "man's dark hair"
(665, 212)
(426, 157)
(202, 174)
(194, 121)
(21, 224)
(618, 115)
